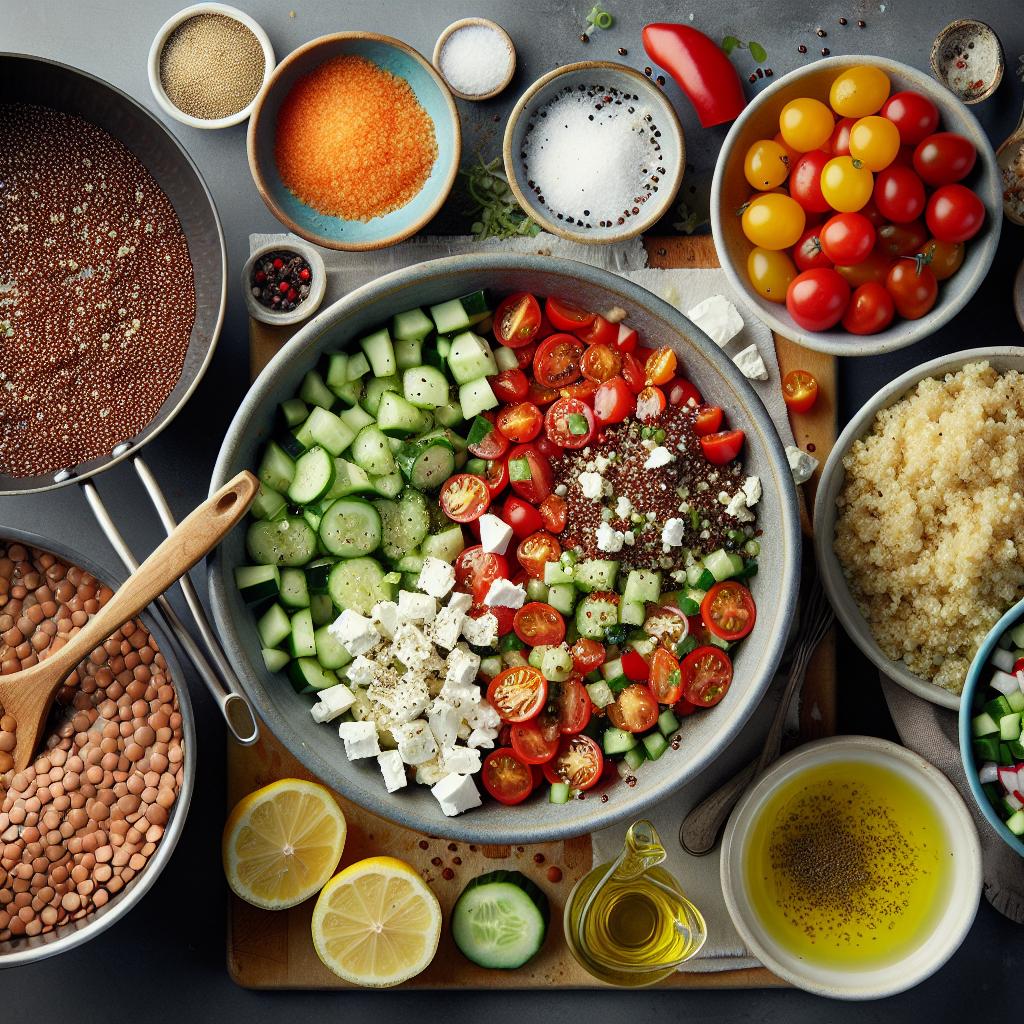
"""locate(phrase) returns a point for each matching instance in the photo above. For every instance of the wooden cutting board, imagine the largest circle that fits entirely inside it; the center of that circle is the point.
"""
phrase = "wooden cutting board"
(269, 950)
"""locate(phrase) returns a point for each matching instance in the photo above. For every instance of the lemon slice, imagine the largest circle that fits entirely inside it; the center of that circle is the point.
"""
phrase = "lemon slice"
(282, 842)
(376, 923)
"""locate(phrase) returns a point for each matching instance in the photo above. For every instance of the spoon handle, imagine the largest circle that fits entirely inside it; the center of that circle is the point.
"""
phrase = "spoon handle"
(196, 535)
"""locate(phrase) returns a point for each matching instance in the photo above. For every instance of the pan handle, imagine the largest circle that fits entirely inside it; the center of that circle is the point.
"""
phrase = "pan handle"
(234, 707)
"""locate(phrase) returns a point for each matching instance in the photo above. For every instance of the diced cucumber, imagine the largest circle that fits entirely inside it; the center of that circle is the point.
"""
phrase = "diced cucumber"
(1015, 823)
(655, 745)
(337, 370)
(268, 503)
(1009, 726)
(328, 430)
(642, 585)
(404, 526)
(329, 652)
(294, 591)
(350, 393)
(317, 573)
(258, 583)
(371, 451)
(556, 664)
(505, 358)
(375, 391)
(276, 468)
(559, 793)
(556, 573)
(593, 614)
(490, 667)
(635, 757)
(476, 397)
(359, 583)
(446, 545)
(595, 574)
(427, 462)
(612, 668)
(350, 528)
(293, 411)
(667, 722)
(314, 475)
(300, 642)
(397, 417)
(355, 418)
(412, 325)
(449, 317)
(273, 626)
(1016, 700)
(358, 366)
(315, 392)
(617, 741)
(388, 486)
(408, 353)
(275, 659)
(720, 565)
(425, 387)
(308, 674)
(470, 358)
(288, 541)
(632, 613)
(536, 590)
(348, 479)
(411, 562)
(998, 707)
(536, 655)
(1017, 635)
(562, 597)
(476, 306)
(296, 442)
(600, 694)
(379, 352)
(321, 607)
(449, 414)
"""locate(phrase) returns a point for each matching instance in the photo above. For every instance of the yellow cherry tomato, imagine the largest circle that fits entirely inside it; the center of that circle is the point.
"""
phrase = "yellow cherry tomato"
(874, 141)
(860, 91)
(846, 184)
(766, 165)
(770, 272)
(806, 124)
(774, 221)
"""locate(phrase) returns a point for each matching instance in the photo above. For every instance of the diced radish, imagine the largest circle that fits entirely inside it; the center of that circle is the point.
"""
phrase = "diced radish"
(1007, 778)
(1012, 799)
(1020, 778)
(989, 772)
(1004, 683)
(1020, 679)
(1003, 659)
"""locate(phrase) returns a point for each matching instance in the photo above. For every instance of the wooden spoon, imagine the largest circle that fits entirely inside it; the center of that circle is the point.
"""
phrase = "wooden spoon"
(27, 695)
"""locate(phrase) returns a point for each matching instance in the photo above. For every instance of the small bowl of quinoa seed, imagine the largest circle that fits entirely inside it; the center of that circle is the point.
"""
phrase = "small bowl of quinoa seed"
(208, 64)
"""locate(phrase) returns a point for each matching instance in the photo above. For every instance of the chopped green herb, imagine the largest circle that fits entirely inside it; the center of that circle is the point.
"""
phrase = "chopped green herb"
(496, 212)
(729, 43)
(578, 424)
(519, 469)
(686, 645)
(758, 52)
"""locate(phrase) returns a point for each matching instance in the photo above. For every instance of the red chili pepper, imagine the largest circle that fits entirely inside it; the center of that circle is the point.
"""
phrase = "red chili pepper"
(700, 68)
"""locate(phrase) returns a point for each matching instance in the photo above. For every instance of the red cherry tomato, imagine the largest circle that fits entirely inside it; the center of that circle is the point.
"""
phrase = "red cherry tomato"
(541, 396)
(521, 422)
(874, 268)
(728, 610)
(535, 551)
(635, 709)
(682, 392)
(902, 239)
(913, 289)
(553, 513)
(722, 447)
(954, 214)
(708, 421)
(817, 299)
(530, 744)
(476, 570)
(707, 674)
(557, 362)
(530, 474)
(633, 372)
(538, 624)
(914, 115)
(566, 316)
(465, 497)
(666, 681)
(944, 157)
(598, 332)
(871, 309)
(510, 385)
(493, 444)
(799, 390)
(839, 144)
(505, 616)
(578, 763)
(547, 447)
(524, 355)
(517, 320)
(808, 252)
(587, 655)
(870, 210)
(650, 403)
(584, 391)
(600, 362)
(574, 707)
(569, 423)
(506, 776)
(521, 516)
(634, 667)
(847, 238)
(805, 182)
(496, 476)
(518, 693)
(899, 194)
(613, 401)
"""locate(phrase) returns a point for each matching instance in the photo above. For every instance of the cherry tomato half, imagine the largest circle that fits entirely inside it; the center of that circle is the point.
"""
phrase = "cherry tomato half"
(574, 707)
(871, 309)
(476, 570)
(847, 238)
(465, 497)
(554, 512)
(598, 332)
(600, 362)
(506, 776)
(521, 422)
(541, 396)
(521, 516)
(530, 473)
(899, 195)
(954, 214)
(493, 444)
(530, 744)
(666, 680)
(728, 610)
(613, 401)
(587, 655)
(707, 674)
(518, 693)
(635, 709)
(913, 289)
(914, 115)
(510, 385)
(817, 299)
(565, 316)
(708, 421)
(517, 320)
(538, 624)
(578, 763)
(944, 157)
(682, 392)
(525, 354)
(633, 373)
(799, 390)
(496, 476)
(569, 423)
(722, 447)
(535, 551)
(661, 365)
(634, 667)
(627, 339)
(557, 362)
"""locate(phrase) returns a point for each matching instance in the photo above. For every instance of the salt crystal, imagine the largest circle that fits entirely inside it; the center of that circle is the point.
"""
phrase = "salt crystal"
(475, 60)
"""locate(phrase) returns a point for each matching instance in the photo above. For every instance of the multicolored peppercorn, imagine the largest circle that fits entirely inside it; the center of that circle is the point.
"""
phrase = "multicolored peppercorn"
(280, 280)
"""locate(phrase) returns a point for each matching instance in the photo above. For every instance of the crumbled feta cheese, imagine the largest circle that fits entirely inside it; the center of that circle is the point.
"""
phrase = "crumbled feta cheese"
(415, 742)
(504, 594)
(481, 632)
(393, 770)
(385, 616)
(444, 720)
(360, 739)
(751, 488)
(461, 760)
(430, 772)
(482, 738)
(592, 485)
(801, 464)
(456, 793)
(411, 647)
(460, 602)
(623, 506)
(362, 671)
(751, 364)
(494, 534)
(436, 577)
(660, 456)
(355, 632)
(483, 716)
(332, 702)
(737, 507)
(672, 532)
(609, 539)
(718, 318)
(462, 668)
(561, 490)
(446, 628)
(416, 607)
(601, 463)
(404, 701)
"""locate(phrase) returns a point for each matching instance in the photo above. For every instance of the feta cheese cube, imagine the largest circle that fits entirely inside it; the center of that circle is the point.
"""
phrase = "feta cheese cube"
(623, 507)
(461, 760)
(505, 594)
(482, 738)
(561, 490)
(385, 616)
(660, 456)
(462, 668)
(415, 742)
(751, 364)
(456, 793)
(446, 628)
(355, 632)
(393, 770)
(592, 485)
(403, 701)
(801, 464)
(481, 632)
(430, 772)
(436, 577)
(411, 647)
(672, 532)
(362, 671)
(460, 602)
(494, 534)
(483, 716)
(360, 739)
(609, 539)
(751, 488)
(738, 507)
(444, 719)
(332, 702)
(416, 607)
(718, 318)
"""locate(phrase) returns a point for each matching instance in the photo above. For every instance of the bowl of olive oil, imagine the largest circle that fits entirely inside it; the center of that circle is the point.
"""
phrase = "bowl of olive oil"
(852, 868)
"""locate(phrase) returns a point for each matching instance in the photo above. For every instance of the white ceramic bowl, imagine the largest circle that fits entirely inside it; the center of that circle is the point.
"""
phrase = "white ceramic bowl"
(269, 62)
(948, 931)
(304, 309)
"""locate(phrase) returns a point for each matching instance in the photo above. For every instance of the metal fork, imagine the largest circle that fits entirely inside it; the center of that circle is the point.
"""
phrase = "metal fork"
(699, 830)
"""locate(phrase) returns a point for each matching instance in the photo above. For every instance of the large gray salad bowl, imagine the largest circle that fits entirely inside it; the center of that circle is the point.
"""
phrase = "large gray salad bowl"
(704, 735)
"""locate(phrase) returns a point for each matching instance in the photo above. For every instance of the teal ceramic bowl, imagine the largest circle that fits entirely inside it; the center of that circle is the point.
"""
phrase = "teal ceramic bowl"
(977, 680)
(336, 232)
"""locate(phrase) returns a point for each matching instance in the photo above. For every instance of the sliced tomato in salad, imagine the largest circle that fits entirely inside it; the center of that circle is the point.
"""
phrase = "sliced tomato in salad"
(569, 423)
(728, 610)
(584, 390)
(587, 655)
(666, 680)
(708, 421)
(525, 354)
(574, 707)
(579, 763)
(682, 392)
(530, 474)
(521, 516)
(496, 476)
(660, 367)
(539, 625)
(634, 667)
(476, 569)
(530, 744)
(627, 339)
(600, 362)
(535, 551)
(517, 320)
(635, 709)
(722, 447)
(506, 776)
(521, 422)
(633, 373)
(491, 444)
(706, 674)
(465, 497)
(518, 693)
(566, 316)
(599, 332)
(510, 385)
(554, 513)
(613, 401)
(650, 403)
(558, 361)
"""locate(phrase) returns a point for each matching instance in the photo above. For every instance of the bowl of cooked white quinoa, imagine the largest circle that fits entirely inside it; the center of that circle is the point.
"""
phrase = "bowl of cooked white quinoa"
(919, 518)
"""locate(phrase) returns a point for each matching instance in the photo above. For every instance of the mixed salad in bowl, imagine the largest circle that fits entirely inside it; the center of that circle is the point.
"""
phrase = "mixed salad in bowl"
(507, 544)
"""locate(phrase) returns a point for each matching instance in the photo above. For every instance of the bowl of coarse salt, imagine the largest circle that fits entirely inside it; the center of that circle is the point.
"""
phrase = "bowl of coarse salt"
(476, 57)
(594, 152)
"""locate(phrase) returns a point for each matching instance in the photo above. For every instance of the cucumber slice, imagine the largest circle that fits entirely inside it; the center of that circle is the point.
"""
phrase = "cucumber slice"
(388, 486)
(288, 541)
(258, 583)
(328, 430)
(316, 575)
(411, 563)
(337, 370)
(594, 574)
(667, 722)
(655, 745)
(449, 414)
(476, 397)
(359, 583)
(720, 565)
(350, 393)
(398, 417)
(358, 366)
(274, 659)
(315, 392)
(329, 652)
(635, 757)
(412, 325)
(470, 358)
(404, 524)
(449, 316)
(413, 519)
(593, 614)
(632, 613)
(600, 693)
(273, 626)
(561, 597)
(408, 353)
(293, 412)
(379, 352)
(375, 391)
(559, 793)
(307, 674)
(314, 474)
(427, 462)
(446, 545)
(295, 442)
(500, 920)
(617, 741)
(294, 591)
(300, 642)
(425, 387)
(348, 479)
(350, 528)
(642, 585)
(372, 453)
(276, 468)
(268, 503)
(505, 358)
(355, 418)
(321, 607)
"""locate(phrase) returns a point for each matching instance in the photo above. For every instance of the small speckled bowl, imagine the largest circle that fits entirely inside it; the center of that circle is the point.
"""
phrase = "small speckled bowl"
(494, 27)
(831, 483)
(309, 305)
(616, 76)
(956, 41)
(336, 232)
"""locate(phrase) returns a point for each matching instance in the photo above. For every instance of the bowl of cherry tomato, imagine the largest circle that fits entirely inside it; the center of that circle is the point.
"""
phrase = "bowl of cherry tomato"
(856, 205)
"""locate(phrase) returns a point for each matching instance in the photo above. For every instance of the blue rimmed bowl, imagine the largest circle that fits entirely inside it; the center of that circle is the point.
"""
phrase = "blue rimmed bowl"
(977, 677)
(336, 232)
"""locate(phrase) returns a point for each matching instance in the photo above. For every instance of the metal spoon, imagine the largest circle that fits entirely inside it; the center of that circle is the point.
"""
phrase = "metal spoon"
(699, 830)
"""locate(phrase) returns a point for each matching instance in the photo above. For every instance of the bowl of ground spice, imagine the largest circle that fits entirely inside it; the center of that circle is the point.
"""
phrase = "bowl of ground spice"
(354, 143)
(207, 65)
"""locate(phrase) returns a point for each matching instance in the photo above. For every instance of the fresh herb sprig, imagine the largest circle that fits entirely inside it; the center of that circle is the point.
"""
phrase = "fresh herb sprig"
(495, 211)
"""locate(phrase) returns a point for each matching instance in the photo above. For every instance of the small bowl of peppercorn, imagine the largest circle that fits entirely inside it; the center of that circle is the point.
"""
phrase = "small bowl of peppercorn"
(284, 282)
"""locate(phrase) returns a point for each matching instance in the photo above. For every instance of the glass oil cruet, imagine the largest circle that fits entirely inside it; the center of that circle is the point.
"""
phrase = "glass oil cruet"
(628, 921)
